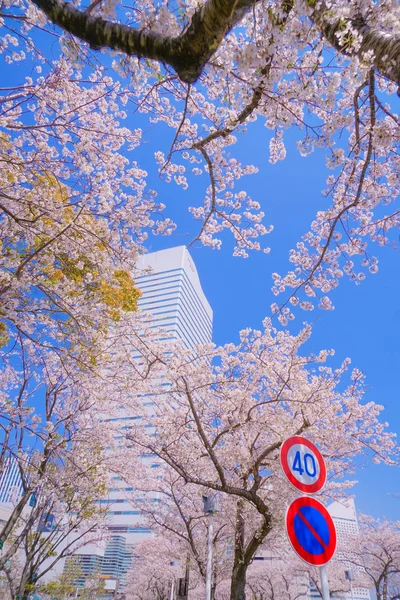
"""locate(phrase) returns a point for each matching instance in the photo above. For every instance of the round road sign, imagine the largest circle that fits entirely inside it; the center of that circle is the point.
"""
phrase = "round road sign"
(311, 531)
(303, 464)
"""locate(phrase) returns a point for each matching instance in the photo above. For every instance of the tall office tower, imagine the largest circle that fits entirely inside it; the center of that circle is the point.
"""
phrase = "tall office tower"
(10, 482)
(172, 293)
(345, 518)
(173, 297)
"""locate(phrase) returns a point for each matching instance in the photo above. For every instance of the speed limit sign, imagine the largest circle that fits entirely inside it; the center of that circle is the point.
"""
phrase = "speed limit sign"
(303, 464)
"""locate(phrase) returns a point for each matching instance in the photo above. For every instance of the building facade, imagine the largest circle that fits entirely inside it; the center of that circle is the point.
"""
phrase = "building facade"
(173, 296)
(11, 488)
(173, 299)
(344, 515)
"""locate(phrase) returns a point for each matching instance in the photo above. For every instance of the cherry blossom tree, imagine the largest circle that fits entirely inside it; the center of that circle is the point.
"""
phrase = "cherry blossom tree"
(209, 71)
(219, 423)
(58, 418)
(281, 574)
(54, 529)
(376, 556)
(52, 436)
(74, 215)
(76, 211)
(156, 569)
(68, 249)
(65, 586)
(67, 205)
(274, 578)
(351, 32)
(174, 510)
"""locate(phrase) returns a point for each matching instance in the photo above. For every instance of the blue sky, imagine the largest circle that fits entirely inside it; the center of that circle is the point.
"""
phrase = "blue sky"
(365, 324)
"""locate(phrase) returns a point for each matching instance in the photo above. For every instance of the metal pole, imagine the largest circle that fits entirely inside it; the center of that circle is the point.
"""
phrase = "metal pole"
(351, 590)
(172, 594)
(324, 583)
(349, 575)
(209, 557)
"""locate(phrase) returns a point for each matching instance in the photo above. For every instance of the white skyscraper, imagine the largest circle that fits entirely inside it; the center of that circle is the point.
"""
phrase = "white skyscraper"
(10, 482)
(173, 297)
(172, 293)
(345, 518)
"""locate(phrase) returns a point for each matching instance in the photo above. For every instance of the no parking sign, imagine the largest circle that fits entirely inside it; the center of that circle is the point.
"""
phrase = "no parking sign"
(311, 531)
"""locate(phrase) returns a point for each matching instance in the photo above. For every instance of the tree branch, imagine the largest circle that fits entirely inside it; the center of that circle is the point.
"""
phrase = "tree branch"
(187, 53)
(190, 51)
(384, 46)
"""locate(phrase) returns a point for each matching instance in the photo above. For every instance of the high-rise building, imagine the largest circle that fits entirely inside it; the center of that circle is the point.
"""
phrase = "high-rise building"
(11, 488)
(344, 515)
(172, 293)
(345, 518)
(173, 298)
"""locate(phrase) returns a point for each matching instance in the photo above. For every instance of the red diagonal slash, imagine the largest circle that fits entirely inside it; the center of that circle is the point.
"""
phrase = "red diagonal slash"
(311, 528)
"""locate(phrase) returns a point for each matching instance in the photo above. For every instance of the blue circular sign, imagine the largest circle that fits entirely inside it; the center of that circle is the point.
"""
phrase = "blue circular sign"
(311, 531)
(309, 516)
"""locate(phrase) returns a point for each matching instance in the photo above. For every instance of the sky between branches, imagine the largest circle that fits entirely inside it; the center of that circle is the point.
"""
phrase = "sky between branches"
(366, 322)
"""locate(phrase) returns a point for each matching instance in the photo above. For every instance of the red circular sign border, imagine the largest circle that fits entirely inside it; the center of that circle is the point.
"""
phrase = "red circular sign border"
(300, 551)
(303, 487)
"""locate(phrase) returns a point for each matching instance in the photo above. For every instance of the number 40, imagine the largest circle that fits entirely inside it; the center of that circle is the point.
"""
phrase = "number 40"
(309, 464)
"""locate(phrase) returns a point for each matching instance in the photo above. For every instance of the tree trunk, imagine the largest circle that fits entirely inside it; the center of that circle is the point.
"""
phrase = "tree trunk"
(238, 581)
(15, 515)
(385, 588)
(25, 586)
(245, 552)
(238, 584)
(377, 591)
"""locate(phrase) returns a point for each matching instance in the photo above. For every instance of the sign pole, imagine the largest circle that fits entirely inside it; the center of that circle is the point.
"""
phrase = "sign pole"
(324, 583)
(351, 590)
(209, 558)
(172, 594)
(210, 508)
(349, 575)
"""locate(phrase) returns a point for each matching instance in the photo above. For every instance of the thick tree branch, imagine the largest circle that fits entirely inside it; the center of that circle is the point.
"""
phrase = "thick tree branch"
(384, 46)
(189, 52)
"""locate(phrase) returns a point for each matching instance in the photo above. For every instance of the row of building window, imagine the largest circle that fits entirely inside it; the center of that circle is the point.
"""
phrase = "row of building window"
(174, 318)
(178, 331)
(188, 292)
(185, 315)
(124, 512)
(181, 273)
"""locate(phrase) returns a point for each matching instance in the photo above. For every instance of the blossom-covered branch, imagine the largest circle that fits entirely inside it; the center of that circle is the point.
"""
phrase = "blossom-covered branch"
(189, 52)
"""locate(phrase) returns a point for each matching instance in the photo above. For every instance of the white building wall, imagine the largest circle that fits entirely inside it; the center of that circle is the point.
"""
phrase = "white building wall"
(345, 518)
(172, 293)
(10, 482)
(173, 298)
(344, 515)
